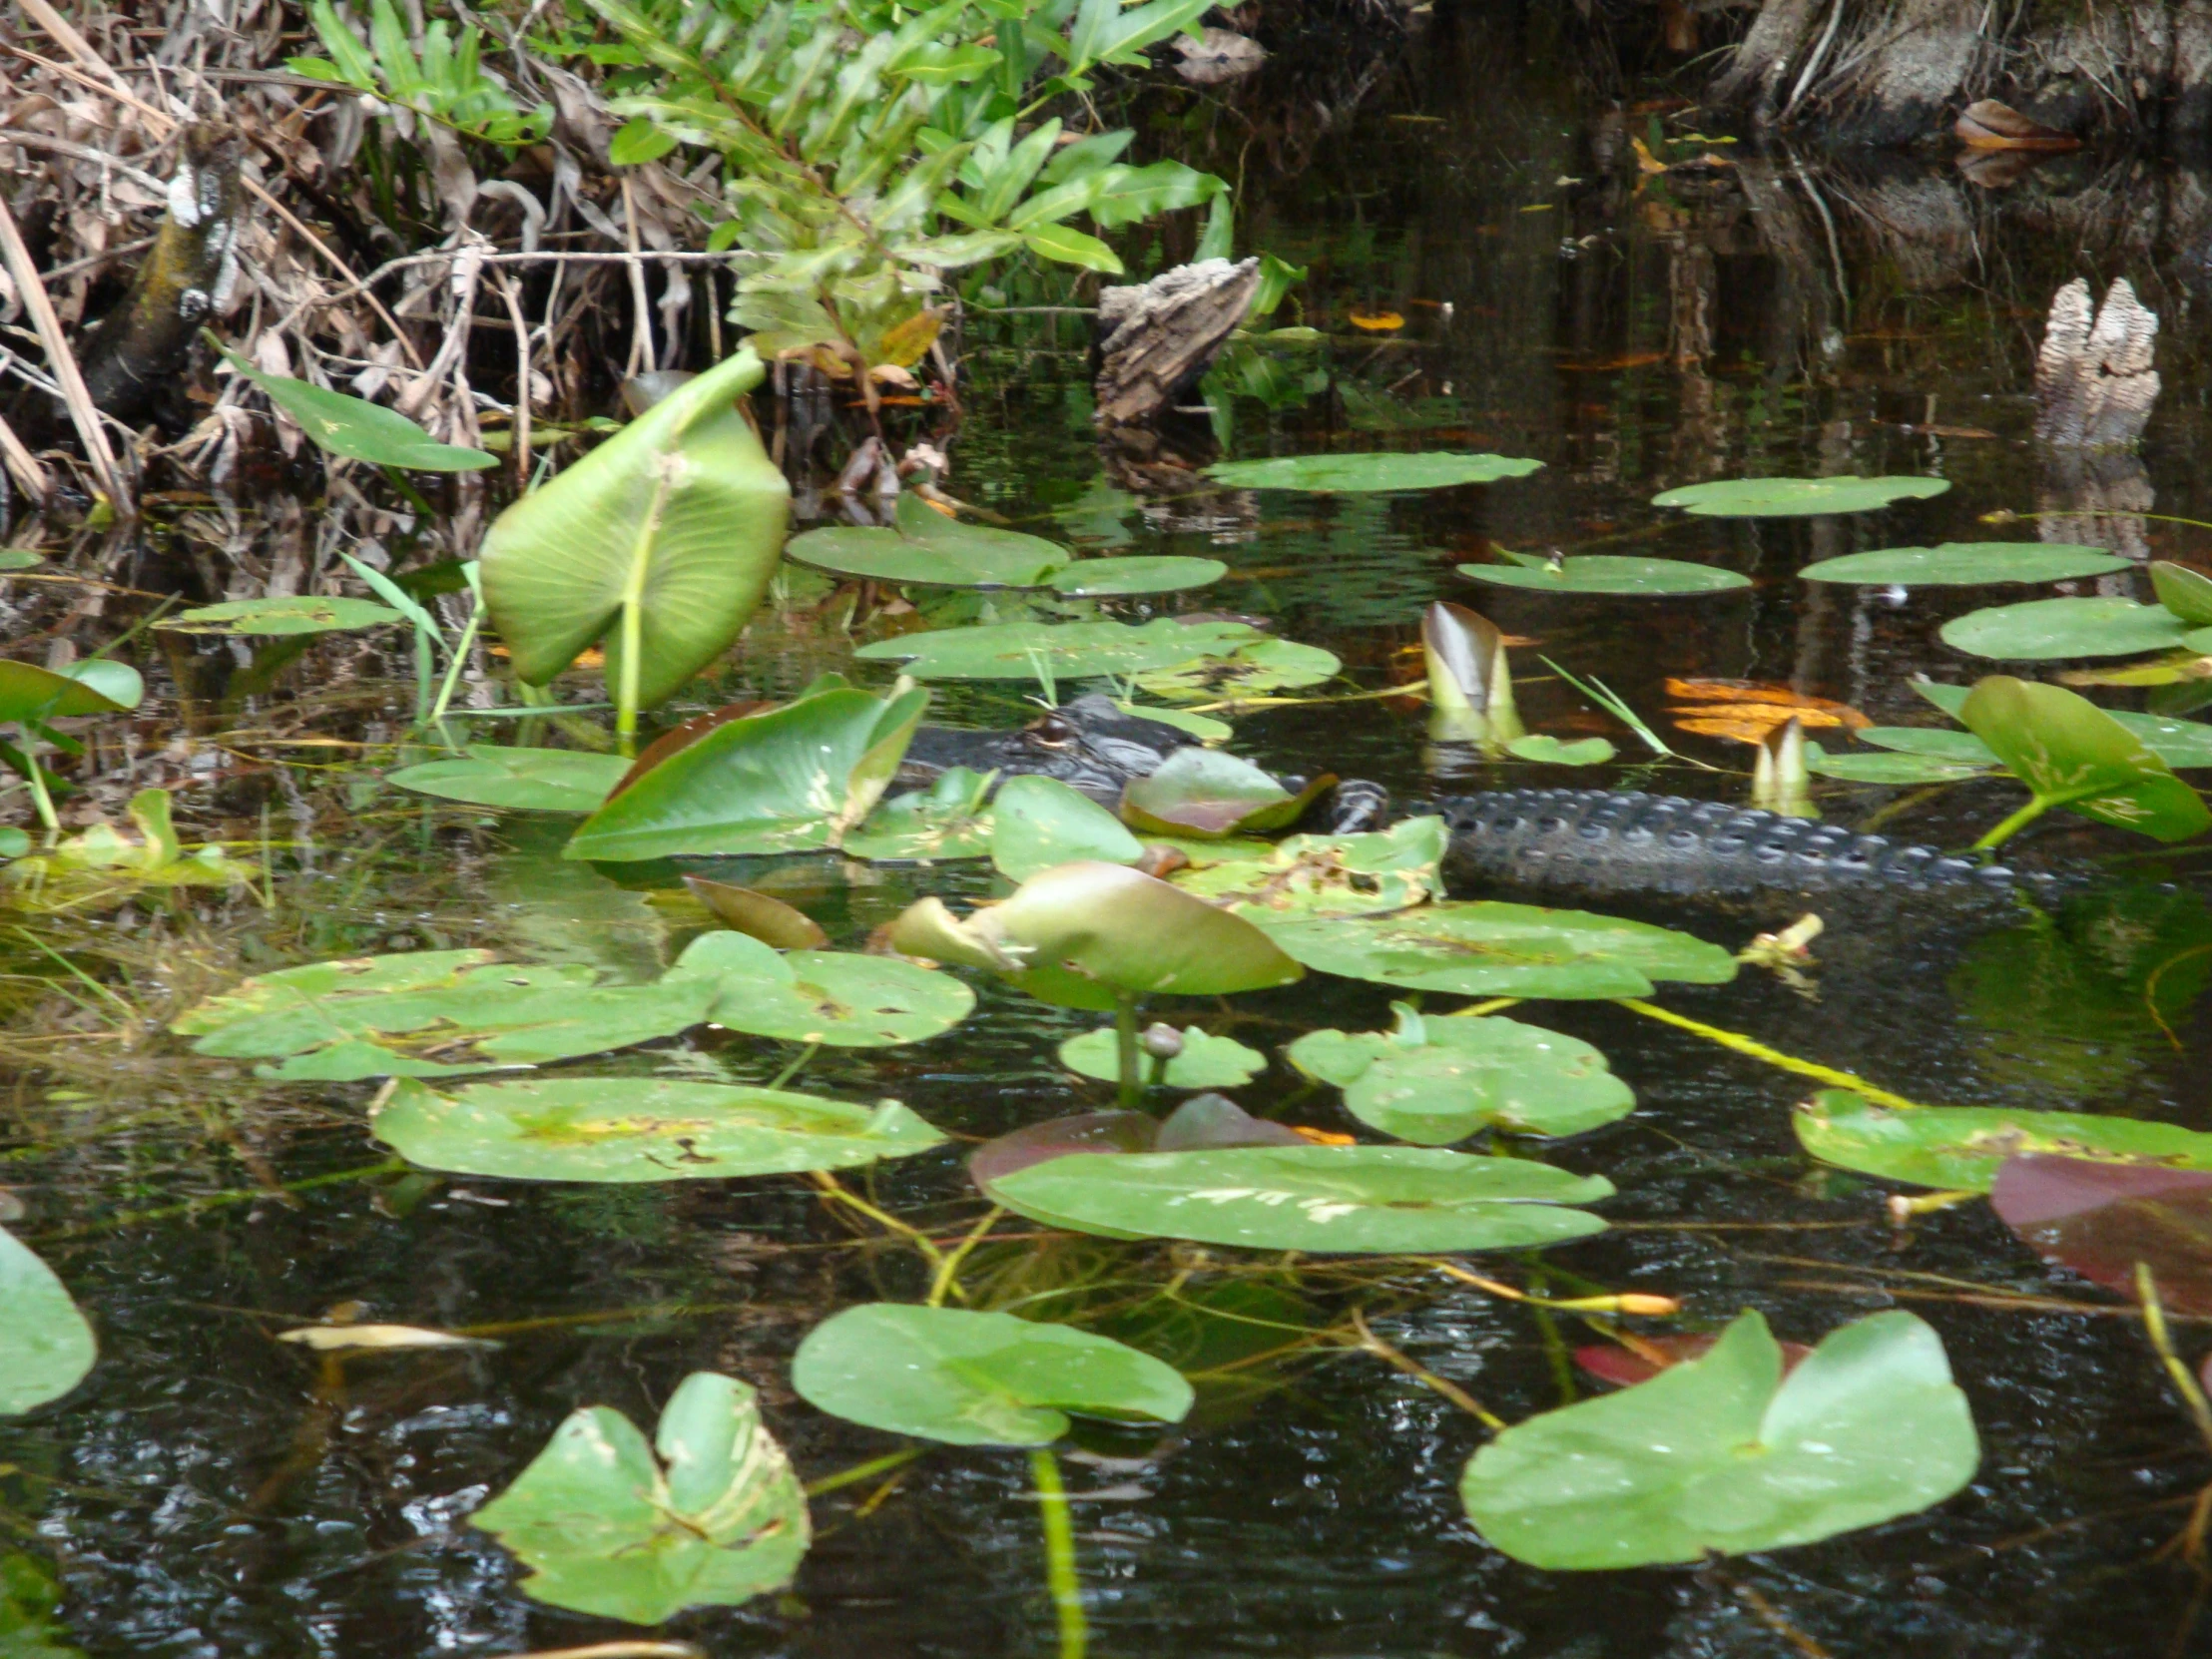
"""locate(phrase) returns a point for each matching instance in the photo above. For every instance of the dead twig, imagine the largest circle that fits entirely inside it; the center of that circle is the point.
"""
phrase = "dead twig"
(78, 399)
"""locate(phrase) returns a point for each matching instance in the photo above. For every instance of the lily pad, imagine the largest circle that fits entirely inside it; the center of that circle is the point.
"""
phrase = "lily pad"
(519, 779)
(1547, 749)
(2181, 744)
(946, 820)
(1935, 742)
(434, 1013)
(2071, 754)
(1492, 948)
(1387, 1199)
(1250, 670)
(1156, 573)
(791, 778)
(1205, 1122)
(2040, 630)
(973, 1378)
(1964, 564)
(1040, 823)
(45, 1345)
(630, 1129)
(1315, 876)
(1608, 573)
(1962, 1147)
(1796, 497)
(2101, 1220)
(836, 997)
(928, 548)
(1065, 650)
(611, 1530)
(1436, 1079)
(283, 614)
(1373, 470)
(1893, 768)
(1207, 795)
(1207, 1062)
(1723, 1454)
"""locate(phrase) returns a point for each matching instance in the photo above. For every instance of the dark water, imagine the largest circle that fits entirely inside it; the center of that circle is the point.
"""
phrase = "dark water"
(208, 1492)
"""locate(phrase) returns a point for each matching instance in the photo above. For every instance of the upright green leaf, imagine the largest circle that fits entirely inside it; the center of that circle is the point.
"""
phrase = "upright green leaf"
(2070, 753)
(660, 542)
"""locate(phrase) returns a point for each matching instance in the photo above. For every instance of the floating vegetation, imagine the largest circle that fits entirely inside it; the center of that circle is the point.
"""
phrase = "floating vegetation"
(1796, 497)
(1368, 473)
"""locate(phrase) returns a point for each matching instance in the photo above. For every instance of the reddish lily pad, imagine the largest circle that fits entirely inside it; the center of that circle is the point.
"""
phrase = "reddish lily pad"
(2101, 1219)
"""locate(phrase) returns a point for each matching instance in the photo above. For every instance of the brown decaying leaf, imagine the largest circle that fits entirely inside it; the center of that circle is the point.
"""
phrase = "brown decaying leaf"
(2101, 1219)
(1990, 125)
(769, 921)
(1745, 711)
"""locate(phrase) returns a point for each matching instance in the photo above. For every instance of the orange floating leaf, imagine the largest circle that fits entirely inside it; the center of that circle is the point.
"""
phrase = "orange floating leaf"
(1745, 711)
(1377, 322)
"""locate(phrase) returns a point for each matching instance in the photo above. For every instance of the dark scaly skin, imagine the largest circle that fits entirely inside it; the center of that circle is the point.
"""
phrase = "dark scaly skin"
(1620, 842)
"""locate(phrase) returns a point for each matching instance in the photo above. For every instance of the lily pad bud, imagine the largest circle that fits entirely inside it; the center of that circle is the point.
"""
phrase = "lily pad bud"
(1162, 1042)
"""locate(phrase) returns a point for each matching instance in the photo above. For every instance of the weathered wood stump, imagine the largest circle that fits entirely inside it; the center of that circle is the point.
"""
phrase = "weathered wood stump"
(2094, 387)
(1158, 338)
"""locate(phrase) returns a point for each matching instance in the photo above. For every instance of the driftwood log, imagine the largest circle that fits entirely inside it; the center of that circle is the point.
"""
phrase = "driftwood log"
(185, 278)
(2094, 387)
(2094, 380)
(1158, 338)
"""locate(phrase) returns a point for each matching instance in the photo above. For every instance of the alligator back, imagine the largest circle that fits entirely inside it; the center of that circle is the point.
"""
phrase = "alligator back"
(1627, 842)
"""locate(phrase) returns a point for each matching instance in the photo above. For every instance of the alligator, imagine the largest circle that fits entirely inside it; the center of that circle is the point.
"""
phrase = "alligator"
(1621, 841)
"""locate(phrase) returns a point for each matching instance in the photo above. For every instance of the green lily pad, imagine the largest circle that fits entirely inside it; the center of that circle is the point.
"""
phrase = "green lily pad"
(1724, 1454)
(1935, 742)
(1040, 823)
(785, 780)
(1893, 768)
(519, 779)
(45, 1345)
(286, 613)
(2048, 629)
(609, 1529)
(1547, 749)
(1207, 1062)
(757, 915)
(1250, 670)
(836, 997)
(637, 1129)
(1436, 1079)
(1066, 650)
(1492, 948)
(1386, 1200)
(1156, 573)
(2071, 754)
(2185, 592)
(1207, 795)
(1373, 470)
(927, 548)
(434, 1013)
(2181, 744)
(1796, 497)
(971, 1379)
(946, 820)
(1084, 935)
(1609, 573)
(358, 429)
(1962, 1147)
(1966, 564)
(1205, 728)
(1315, 876)
(19, 558)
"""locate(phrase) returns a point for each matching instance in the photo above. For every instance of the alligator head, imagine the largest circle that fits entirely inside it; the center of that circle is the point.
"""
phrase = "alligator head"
(1088, 743)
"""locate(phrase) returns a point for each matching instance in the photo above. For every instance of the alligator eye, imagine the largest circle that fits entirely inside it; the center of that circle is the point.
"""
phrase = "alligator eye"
(1053, 731)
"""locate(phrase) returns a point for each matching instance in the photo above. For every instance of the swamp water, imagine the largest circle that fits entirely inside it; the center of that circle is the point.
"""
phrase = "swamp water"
(209, 1490)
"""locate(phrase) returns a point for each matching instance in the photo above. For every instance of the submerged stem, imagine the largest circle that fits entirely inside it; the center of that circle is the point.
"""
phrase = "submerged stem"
(2154, 1327)
(2013, 825)
(1059, 1553)
(1127, 1054)
(35, 776)
(1757, 1050)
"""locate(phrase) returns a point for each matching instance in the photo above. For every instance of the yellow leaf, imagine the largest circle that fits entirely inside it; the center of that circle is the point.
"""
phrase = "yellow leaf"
(904, 344)
(1377, 322)
(331, 1339)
